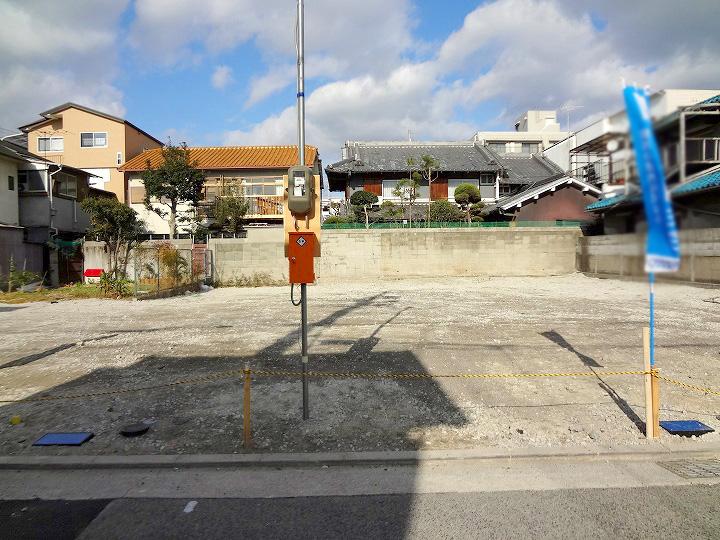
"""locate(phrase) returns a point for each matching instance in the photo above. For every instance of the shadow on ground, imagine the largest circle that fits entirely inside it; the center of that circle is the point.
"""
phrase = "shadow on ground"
(590, 362)
(346, 414)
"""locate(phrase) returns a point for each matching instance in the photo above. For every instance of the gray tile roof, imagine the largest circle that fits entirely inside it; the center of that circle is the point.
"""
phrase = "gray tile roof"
(21, 139)
(528, 168)
(462, 156)
(392, 157)
(14, 151)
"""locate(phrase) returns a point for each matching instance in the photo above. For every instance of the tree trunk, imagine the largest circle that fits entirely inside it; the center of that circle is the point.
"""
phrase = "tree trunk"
(367, 220)
(173, 210)
(427, 221)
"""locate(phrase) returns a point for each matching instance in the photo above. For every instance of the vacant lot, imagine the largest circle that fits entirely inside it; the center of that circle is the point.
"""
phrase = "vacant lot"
(459, 325)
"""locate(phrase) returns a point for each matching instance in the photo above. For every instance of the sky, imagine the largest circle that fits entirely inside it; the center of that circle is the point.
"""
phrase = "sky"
(222, 72)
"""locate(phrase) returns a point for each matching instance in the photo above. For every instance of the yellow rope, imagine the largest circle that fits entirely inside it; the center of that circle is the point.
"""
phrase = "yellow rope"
(358, 375)
(690, 386)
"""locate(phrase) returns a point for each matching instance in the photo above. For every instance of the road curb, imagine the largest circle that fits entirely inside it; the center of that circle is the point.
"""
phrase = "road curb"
(645, 452)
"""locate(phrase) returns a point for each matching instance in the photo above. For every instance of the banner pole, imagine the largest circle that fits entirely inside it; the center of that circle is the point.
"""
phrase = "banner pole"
(651, 282)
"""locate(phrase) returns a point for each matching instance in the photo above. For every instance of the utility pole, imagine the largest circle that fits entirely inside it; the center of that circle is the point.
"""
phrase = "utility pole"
(301, 159)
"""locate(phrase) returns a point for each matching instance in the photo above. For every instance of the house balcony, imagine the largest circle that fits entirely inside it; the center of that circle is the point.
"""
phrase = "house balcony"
(259, 207)
(265, 206)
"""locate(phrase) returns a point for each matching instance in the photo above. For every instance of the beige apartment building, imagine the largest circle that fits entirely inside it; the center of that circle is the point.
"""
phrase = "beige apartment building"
(90, 140)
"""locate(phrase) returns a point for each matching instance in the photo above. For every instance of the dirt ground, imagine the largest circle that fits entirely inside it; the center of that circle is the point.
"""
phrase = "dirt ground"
(454, 325)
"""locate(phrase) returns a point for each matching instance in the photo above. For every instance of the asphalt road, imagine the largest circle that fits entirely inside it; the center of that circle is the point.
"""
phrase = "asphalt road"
(655, 512)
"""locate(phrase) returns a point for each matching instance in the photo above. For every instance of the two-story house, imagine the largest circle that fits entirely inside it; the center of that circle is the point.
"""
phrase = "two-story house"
(41, 218)
(91, 140)
(253, 172)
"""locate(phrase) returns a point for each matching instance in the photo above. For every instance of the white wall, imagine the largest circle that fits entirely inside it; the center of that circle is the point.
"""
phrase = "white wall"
(102, 181)
(9, 209)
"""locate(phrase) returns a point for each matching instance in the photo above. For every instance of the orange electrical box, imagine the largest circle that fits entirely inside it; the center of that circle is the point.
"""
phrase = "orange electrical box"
(301, 250)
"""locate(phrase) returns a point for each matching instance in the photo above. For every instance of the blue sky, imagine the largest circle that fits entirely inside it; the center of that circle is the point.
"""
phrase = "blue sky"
(224, 73)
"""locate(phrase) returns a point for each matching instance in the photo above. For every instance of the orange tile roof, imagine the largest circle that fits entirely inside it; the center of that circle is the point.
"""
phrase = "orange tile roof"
(229, 157)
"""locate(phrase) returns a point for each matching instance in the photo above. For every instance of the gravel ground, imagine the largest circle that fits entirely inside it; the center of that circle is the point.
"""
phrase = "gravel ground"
(448, 325)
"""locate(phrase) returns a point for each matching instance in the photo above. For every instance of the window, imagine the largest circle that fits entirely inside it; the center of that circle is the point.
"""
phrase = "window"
(487, 180)
(11, 183)
(137, 194)
(119, 158)
(65, 184)
(388, 186)
(506, 190)
(262, 187)
(498, 147)
(51, 144)
(93, 139)
(31, 181)
(530, 148)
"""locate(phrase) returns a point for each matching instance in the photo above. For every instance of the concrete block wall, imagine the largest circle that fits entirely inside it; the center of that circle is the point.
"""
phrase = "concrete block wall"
(624, 255)
(395, 253)
(392, 253)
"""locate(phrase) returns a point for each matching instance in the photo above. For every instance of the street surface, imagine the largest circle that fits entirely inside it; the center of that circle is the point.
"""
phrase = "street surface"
(628, 496)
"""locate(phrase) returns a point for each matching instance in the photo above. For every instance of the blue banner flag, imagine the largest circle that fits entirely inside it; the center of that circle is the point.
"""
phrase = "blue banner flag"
(662, 250)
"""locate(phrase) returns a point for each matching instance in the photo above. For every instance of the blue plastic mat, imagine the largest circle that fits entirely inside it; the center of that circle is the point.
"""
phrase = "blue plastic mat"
(64, 439)
(686, 428)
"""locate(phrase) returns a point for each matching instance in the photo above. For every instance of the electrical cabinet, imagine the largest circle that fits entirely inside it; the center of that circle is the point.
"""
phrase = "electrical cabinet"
(301, 190)
(301, 250)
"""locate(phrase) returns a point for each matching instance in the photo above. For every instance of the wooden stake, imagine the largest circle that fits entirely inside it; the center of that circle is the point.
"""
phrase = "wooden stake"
(649, 419)
(655, 383)
(247, 435)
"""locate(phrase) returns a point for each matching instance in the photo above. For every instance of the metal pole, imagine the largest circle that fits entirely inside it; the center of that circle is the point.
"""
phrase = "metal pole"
(682, 148)
(304, 351)
(301, 80)
(301, 159)
(651, 281)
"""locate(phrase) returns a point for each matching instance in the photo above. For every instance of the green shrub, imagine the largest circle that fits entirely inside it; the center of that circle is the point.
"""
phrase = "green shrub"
(444, 211)
(334, 219)
(111, 286)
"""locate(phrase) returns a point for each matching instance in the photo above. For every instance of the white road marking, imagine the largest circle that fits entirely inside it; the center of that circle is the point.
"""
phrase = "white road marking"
(189, 507)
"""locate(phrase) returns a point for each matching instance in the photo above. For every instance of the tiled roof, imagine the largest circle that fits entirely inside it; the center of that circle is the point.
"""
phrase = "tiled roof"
(714, 99)
(230, 157)
(528, 168)
(21, 140)
(706, 181)
(709, 180)
(392, 156)
(606, 203)
(542, 187)
(47, 115)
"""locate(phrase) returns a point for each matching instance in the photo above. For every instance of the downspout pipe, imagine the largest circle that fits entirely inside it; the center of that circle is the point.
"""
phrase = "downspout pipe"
(50, 196)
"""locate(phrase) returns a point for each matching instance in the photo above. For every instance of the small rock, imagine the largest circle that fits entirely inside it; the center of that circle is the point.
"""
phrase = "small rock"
(520, 431)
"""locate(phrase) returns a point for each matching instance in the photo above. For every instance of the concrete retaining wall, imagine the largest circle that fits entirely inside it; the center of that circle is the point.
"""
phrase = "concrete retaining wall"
(447, 252)
(361, 254)
(624, 255)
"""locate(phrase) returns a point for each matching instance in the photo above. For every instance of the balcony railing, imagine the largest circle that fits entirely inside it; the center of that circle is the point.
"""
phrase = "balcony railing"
(258, 206)
(265, 205)
(702, 150)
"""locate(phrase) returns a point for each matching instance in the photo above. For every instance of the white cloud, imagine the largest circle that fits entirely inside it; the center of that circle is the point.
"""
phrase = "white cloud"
(522, 54)
(221, 77)
(341, 37)
(56, 52)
